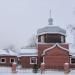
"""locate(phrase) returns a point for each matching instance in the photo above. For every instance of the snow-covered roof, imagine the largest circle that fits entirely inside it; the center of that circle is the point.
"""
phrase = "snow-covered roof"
(11, 52)
(21, 52)
(51, 30)
(28, 52)
(4, 52)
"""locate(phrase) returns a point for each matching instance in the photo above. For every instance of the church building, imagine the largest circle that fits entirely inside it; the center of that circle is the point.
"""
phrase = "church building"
(52, 48)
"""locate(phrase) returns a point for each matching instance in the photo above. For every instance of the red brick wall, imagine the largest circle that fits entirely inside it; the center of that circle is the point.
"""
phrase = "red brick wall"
(54, 58)
(55, 61)
(72, 65)
(7, 60)
(42, 47)
(25, 62)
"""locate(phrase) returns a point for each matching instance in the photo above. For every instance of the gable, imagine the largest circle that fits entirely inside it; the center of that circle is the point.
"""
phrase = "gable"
(56, 50)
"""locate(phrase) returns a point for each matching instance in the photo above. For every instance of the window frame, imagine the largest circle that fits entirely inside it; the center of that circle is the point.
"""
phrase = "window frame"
(12, 58)
(4, 61)
(71, 60)
(31, 60)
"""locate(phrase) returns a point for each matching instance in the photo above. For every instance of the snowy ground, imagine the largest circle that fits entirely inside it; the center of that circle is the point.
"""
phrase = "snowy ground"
(7, 71)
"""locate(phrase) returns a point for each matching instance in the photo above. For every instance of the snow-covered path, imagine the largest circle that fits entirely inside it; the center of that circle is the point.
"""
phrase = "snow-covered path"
(7, 71)
(46, 73)
(30, 73)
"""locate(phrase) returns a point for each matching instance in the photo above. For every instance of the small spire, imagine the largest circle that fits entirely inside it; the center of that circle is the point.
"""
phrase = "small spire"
(50, 20)
(50, 13)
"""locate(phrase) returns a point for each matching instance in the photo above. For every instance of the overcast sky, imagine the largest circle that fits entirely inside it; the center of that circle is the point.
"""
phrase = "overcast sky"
(20, 19)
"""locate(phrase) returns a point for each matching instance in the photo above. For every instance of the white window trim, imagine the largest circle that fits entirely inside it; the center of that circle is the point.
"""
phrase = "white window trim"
(12, 58)
(4, 59)
(62, 39)
(70, 61)
(43, 60)
(31, 59)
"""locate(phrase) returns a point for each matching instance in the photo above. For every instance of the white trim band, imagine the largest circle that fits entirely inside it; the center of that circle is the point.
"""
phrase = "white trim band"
(53, 47)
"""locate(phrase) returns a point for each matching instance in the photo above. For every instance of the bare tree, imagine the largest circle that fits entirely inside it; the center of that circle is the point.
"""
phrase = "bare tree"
(71, 33)
(32, 43)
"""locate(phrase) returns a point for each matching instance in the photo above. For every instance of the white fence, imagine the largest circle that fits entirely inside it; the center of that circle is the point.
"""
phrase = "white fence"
(5, 69)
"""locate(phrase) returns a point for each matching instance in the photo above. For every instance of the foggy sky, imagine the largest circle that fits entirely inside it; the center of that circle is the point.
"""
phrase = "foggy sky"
(20, 19)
